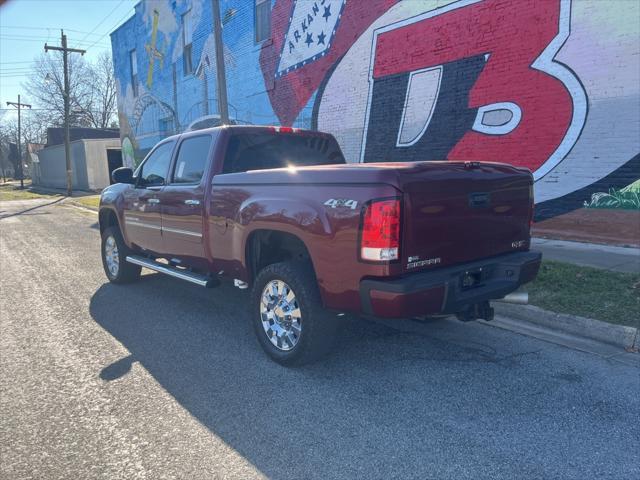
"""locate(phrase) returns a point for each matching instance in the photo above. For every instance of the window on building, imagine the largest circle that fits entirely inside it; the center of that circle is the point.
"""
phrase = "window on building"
(263, 20)
(192, 159)
(133, 63)
(154, 169)
(165, 126)
(187, 35)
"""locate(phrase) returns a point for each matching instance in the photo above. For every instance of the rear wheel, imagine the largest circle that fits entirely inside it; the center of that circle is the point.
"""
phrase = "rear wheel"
(287, 314)
(114, 253)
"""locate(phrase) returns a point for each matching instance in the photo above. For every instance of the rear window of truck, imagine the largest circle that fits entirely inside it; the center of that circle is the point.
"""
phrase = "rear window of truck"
(260, 151)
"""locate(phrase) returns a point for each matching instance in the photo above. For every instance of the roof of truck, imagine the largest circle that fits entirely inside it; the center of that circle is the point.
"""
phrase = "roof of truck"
(230, 129)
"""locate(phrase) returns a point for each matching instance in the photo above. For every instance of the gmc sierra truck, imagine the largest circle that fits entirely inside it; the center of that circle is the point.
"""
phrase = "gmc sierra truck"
(280, 212)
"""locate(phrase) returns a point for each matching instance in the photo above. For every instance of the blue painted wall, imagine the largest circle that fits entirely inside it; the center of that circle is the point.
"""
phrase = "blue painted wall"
(551, 85)
(173, 99)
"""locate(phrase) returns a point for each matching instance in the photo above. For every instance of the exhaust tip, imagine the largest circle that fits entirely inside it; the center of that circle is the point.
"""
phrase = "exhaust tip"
(517, 298)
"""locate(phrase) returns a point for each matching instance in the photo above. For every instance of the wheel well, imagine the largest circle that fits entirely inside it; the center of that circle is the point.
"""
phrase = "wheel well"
(265, 247)
(107, 218)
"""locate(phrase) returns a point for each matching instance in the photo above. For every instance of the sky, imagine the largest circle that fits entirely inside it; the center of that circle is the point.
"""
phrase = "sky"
(25, 26)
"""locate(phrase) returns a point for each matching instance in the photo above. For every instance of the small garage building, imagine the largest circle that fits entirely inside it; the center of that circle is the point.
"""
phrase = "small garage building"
(92, 161)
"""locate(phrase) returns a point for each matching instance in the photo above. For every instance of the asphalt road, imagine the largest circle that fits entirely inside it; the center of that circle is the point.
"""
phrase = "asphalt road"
(162, 379)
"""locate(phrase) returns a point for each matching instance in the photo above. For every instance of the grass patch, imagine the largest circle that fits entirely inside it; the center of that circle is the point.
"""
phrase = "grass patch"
(587, 292)
(11, 191)
(90, 201)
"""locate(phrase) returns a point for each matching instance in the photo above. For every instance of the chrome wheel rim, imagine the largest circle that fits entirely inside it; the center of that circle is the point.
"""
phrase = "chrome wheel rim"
(111, 255)
(280, 315)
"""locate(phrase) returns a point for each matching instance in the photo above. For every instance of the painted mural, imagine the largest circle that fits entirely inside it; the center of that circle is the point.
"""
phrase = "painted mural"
(551, 85)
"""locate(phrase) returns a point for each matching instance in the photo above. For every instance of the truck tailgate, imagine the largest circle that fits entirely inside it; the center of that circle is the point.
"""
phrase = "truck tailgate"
(457, 212)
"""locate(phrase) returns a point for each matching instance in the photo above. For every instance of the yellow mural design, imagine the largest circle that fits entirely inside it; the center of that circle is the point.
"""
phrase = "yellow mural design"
(153, 52)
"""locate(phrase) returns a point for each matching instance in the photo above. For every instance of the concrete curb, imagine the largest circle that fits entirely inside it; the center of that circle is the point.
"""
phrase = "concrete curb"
(588, 328)
(80, 205)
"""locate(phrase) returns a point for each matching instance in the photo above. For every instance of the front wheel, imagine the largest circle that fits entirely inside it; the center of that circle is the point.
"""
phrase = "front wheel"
(287, 314)
(114, 253)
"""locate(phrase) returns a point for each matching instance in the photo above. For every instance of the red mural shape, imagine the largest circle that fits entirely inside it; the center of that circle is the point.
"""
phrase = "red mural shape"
(290, 92)
(513, 39)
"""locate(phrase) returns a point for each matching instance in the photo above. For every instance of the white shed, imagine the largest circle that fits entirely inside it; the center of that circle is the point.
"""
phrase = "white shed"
(92, 161)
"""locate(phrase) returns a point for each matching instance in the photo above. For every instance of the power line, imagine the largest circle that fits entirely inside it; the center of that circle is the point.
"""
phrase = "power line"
(104, 19)
(21, 39)
(18, 36)
(24, 27)
(83, 41)
(10, 71)
(111, 29)
(44, 39)
(38, 38)
(55, 110)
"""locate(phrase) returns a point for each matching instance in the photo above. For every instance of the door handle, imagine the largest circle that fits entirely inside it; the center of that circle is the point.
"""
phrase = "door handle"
(153, 200)
(192, 202)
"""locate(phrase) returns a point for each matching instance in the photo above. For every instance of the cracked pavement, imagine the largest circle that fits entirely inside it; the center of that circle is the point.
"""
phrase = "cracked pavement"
(162, 379)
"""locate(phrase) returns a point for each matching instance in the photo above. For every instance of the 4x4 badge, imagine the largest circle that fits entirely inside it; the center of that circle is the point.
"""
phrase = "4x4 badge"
(341, 202)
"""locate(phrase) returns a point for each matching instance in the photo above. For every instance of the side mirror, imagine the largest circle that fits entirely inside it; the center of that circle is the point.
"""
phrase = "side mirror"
(123, 175)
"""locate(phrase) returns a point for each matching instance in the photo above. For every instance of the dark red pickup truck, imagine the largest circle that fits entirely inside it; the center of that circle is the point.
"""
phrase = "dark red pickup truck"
(279, 211)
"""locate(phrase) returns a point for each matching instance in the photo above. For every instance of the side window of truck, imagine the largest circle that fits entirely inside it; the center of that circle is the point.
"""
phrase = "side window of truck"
(192, 159)
(153, 170)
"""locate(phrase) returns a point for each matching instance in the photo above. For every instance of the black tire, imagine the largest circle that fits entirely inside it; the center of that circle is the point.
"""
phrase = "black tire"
(318, 327)
(126, 272)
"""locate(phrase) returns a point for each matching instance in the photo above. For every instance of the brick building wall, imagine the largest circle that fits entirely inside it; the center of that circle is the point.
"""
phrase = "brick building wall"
(552, 85)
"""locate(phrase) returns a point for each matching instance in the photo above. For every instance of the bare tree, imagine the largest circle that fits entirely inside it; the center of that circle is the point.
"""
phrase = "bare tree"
(46, 88)
(33, 130)
(5, 139)
(102, 109)
(8, 158)
(92, 87)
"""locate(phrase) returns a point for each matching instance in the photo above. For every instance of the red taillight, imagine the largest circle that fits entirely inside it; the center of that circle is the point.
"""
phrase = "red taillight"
(380, 240)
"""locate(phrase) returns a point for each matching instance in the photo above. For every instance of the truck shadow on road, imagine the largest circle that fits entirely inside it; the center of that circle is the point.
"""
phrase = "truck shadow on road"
(387, 397)
(29, 210)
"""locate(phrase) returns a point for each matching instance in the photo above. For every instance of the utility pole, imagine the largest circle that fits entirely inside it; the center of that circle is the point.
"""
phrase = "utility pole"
(19, 105)
(221, 75)
(67, 144)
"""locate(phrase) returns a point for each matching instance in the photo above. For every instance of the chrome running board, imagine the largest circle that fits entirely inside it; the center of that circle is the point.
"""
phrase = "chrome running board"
(182, 274)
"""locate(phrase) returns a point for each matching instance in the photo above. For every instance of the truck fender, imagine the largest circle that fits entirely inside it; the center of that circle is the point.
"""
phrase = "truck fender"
(301, 219)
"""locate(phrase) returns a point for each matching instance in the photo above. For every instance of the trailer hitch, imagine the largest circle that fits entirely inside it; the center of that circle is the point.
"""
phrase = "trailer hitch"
(477, 311)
